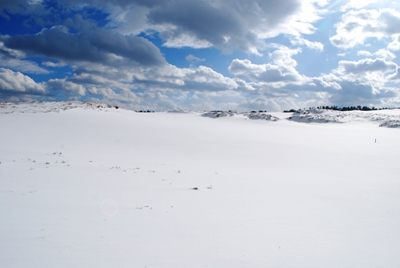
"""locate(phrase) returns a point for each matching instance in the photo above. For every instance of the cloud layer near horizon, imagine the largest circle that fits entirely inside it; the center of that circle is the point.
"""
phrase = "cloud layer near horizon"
(180, 54)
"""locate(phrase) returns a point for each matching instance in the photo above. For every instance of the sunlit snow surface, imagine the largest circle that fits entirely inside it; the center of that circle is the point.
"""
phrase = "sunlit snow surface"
(89, 185)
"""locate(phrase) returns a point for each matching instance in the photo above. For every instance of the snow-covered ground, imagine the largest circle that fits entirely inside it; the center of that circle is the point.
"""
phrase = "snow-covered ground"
(89, 185)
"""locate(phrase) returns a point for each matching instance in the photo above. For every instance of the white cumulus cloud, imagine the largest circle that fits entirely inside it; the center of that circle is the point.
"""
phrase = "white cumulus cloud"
(17, 82)
(356, 26)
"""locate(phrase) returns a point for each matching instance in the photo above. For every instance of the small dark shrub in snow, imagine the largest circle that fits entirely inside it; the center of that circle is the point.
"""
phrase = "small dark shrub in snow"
(290, 111)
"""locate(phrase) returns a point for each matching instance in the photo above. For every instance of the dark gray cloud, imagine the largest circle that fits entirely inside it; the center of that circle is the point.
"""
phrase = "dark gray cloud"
(359, 94)
(395, 76)
(199, 19)
(14, 59)
(12, 6)
(224, 24)
(366, 65)
(125, 3)
(121, 3)
(390, 21)
(275, 11)
(99, 46)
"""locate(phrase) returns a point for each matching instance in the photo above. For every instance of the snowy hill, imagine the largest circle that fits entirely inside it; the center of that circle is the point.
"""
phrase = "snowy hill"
(89, 185)
(386, 118)
(47, 107)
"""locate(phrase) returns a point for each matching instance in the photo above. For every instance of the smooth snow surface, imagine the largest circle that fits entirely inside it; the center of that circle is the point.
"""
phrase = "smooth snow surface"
(91, 186)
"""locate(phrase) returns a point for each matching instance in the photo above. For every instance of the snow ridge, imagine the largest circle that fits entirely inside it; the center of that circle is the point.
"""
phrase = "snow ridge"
(391, 124)
(385, 118)
(217, 114)
(329, 116)
(260, 116)
(254, 115)
(48, 107)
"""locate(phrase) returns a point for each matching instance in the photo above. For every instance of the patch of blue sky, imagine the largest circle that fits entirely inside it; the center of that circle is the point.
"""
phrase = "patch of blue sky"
(98, 16)
(139, 90)
(213, 58)
(210, 57)
(313, 64)
(54, 72)
(17, 25)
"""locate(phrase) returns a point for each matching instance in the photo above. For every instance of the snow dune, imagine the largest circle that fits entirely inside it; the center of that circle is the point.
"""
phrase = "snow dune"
(387, 118)
(89, 185)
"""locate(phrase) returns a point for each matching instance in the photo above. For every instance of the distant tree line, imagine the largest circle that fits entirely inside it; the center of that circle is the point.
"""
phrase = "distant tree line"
(144, 111)
(348, 108)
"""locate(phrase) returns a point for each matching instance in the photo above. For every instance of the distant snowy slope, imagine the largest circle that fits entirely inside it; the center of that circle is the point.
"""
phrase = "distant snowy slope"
(384, 117)
(89, 186)
(47, 107)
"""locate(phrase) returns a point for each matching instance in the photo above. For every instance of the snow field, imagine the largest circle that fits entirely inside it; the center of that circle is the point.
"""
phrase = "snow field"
(114, 188)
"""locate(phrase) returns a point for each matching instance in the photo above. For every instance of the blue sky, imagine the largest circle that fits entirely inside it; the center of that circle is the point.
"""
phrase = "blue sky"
(202, 55)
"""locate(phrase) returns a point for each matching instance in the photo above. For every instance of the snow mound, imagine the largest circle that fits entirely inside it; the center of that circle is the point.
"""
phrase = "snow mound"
(261, 116)
(48, 107)
(217, 114)
(317, 116)
(182, 112)
(391, 124)
(330, 116)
